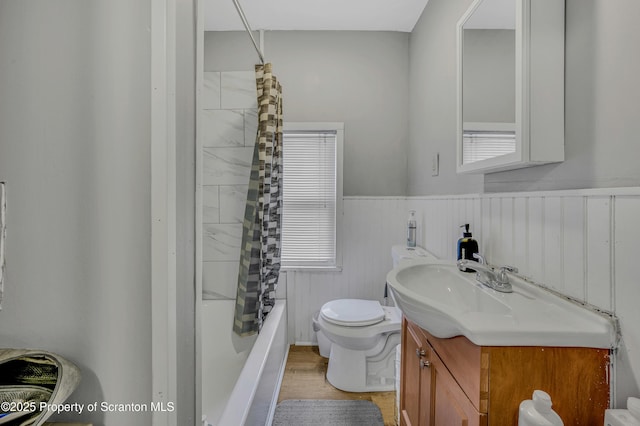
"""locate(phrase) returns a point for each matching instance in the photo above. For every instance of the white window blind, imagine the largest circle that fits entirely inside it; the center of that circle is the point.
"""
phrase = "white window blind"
(481, 145)
(310, 193)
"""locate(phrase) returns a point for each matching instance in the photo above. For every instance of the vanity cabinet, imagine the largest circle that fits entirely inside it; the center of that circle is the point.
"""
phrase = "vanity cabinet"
(455, 382)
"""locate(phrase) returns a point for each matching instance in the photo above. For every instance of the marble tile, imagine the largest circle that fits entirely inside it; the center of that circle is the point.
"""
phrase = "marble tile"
(219, 280)
(210, 204)
(211, 90)
(233, 199)
(238, 90)
(250, 126)
(281, 290)
(212, 295)
(227, 166)
(223, 128)
(221, 242)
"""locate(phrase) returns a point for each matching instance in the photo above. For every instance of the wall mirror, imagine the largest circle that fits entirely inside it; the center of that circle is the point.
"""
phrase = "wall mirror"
(510, 85)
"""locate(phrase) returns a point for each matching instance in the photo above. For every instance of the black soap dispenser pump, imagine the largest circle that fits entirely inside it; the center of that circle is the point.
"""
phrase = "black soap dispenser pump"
(467, 246)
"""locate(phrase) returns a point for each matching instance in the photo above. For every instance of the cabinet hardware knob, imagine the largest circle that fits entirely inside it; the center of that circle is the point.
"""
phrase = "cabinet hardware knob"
(425, 363)
(420, 352)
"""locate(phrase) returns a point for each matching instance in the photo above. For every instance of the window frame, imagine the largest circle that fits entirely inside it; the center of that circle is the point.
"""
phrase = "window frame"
(338, 128)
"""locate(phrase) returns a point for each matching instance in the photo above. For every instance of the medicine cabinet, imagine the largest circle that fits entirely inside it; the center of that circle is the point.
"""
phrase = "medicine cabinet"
(510, 85)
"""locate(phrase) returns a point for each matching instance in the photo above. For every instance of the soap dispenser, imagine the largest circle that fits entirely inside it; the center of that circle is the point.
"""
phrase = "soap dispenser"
(411, 229)
(467, 246)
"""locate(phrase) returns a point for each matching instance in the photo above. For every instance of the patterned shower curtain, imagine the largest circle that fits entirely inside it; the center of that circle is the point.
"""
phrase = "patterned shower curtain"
(260, 249)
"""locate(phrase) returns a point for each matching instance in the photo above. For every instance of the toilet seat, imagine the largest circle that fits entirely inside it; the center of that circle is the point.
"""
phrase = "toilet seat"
(352, 312)
(360, 338)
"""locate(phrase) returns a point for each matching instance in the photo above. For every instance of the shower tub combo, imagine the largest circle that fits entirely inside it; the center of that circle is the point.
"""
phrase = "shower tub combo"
(241, 376)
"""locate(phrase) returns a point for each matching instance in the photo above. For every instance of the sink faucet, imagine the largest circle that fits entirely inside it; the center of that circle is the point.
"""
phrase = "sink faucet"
(487, 276)
(480, 258)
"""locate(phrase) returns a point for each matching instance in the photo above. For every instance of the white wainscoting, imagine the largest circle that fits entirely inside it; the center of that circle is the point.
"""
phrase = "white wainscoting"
(582, 243)
(371, 226)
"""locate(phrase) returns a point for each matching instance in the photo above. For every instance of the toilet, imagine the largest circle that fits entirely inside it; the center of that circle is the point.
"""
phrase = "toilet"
(360, 337)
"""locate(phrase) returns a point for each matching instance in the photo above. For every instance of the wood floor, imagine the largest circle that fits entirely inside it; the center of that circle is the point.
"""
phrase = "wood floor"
(304, 378)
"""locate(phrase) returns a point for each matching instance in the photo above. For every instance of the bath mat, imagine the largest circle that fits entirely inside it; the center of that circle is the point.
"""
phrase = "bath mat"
(322, 412)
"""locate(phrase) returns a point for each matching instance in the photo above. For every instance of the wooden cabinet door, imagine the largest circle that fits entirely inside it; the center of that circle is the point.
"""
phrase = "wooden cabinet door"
(451, 405)
(410, 377)
(426, 413)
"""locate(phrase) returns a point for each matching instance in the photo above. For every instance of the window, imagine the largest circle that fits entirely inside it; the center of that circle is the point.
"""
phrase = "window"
(482, 141)
(312, 195)
(481, 145)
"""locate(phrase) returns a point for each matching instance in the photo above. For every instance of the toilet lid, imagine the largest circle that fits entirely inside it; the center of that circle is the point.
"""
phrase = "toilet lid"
(352, 312)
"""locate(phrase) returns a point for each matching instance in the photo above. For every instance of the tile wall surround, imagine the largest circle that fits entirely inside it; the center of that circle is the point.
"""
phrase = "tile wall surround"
(227, 133)
(581, 243)
(228, 126)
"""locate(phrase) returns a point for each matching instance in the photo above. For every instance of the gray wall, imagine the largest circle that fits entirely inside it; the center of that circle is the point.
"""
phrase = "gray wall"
(75, 152)
(355, 77)
(75, 140)
(432, 102)
(602, 101)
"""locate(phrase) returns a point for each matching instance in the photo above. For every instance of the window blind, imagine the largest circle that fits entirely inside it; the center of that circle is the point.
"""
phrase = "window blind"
(309, 178)
(481, 145)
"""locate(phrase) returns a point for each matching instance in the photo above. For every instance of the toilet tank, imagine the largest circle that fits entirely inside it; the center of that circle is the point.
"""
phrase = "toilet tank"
(401, 252)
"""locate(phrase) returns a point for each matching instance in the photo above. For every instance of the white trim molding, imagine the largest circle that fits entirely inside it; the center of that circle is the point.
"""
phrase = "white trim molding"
(163, 209)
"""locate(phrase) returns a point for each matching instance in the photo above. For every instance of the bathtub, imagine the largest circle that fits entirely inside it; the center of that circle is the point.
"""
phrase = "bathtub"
(241, 376)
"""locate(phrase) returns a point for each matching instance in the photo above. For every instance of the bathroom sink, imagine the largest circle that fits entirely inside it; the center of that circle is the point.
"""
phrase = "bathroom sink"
(446, 302)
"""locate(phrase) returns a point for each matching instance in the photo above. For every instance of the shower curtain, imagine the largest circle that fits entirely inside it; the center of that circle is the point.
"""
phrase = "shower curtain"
(260, 248)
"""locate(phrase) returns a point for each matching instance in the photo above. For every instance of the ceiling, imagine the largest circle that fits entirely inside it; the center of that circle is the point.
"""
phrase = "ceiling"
(356, 15)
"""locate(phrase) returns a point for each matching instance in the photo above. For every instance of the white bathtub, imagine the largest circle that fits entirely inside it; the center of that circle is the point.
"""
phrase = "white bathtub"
(241, 376)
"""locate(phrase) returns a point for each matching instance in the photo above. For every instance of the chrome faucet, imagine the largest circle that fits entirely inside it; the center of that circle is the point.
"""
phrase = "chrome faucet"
(487, 276)
(480, 258)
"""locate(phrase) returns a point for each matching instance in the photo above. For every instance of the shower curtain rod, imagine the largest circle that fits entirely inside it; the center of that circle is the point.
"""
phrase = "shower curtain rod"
(246, 25)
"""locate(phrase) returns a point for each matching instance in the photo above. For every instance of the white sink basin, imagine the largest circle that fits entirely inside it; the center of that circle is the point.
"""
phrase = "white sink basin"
(446, 302)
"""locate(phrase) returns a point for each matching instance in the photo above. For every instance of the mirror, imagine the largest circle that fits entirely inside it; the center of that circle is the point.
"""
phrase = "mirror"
(510, 85)
(489, 81)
